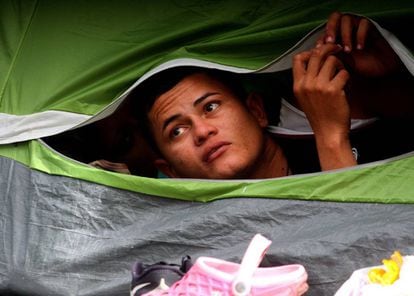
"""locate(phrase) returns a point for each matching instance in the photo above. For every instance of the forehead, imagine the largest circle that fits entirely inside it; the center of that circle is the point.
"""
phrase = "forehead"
(185, 93)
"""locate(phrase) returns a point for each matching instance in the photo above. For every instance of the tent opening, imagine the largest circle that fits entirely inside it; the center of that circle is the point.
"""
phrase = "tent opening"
(119, 143)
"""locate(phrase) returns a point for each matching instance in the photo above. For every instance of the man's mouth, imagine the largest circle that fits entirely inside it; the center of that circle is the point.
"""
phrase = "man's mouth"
(215, 151)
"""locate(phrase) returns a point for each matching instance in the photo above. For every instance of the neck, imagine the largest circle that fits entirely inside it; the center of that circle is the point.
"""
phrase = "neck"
(273, 162)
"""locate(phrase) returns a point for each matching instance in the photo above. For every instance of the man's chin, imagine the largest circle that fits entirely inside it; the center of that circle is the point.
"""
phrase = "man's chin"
(217, 170)
(230, 173)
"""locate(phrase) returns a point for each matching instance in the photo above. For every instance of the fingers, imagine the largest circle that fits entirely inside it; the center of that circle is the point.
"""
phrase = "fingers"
(362, 33)
(341, 78)
(349, 30)
(346, 32)
(354, 30)
(299, 65)
(319, 69)
(309, 63)
(318, 57)
(332, 27)
(333, 70)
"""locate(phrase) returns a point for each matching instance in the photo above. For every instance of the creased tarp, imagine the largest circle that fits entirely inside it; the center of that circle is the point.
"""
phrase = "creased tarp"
(63, 236)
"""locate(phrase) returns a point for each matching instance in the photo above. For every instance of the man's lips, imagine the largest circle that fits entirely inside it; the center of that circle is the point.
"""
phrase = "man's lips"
(215, 151)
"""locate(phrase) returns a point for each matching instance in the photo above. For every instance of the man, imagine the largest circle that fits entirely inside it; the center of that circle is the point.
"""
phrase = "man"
(204, 127)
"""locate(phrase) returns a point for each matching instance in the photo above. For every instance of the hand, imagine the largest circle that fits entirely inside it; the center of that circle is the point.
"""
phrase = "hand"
(366, 52)
(319, 80)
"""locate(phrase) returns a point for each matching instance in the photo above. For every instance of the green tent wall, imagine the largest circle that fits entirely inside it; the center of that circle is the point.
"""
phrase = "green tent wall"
(64, 64)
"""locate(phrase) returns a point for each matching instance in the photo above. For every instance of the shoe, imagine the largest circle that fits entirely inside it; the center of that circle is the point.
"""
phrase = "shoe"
(215, 277)
(157, 277)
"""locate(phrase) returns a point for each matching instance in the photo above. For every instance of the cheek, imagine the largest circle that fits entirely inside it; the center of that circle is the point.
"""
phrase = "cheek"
(241, 116)
(178, 152)
(232, 123)
(244, 125)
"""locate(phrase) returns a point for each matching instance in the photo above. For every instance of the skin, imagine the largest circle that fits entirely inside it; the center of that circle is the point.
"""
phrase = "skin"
(206, 138)
(319, 86)
(201, 130)
(364, 49)
(330, 96)
(200, 127)
(377, 72)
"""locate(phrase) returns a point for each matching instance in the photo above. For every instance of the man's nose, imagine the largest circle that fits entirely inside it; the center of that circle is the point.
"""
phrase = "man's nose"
(202, 130)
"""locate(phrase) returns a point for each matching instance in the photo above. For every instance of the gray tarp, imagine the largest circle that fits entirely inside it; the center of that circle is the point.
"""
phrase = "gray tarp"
(63, 236)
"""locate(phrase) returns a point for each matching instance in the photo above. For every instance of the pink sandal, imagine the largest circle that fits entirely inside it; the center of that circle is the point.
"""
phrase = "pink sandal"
(215, 277)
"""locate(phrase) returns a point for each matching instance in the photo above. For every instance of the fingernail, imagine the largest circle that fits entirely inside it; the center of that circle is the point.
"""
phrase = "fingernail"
(359, 46)
(329, 39)
(347, 48)
(318, 45)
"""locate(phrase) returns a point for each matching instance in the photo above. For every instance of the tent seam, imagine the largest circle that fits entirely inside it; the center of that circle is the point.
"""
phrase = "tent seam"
(6, 81)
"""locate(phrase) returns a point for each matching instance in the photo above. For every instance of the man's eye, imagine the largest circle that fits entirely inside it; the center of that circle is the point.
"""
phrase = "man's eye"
(177, 131)
(211, 107)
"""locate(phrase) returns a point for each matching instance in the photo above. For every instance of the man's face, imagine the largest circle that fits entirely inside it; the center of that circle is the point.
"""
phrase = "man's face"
(204, 131)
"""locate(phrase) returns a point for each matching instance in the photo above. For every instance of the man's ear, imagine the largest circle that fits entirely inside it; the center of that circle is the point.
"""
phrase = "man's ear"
(255, 105)
(165, 167)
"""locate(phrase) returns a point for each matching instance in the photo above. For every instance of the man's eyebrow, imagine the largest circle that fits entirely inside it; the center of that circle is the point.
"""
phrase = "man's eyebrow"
(169, 120)
(196, 102)
(203, 97)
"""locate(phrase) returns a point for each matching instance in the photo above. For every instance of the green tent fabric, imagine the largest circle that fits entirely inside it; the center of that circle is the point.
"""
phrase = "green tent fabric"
(67, 64)
(71, 229)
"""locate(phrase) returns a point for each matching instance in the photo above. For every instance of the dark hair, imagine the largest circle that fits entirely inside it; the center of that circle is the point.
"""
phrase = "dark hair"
(151, 89)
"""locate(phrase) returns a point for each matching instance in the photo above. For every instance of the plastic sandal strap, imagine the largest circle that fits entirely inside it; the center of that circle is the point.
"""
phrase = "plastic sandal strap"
(254, 254)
